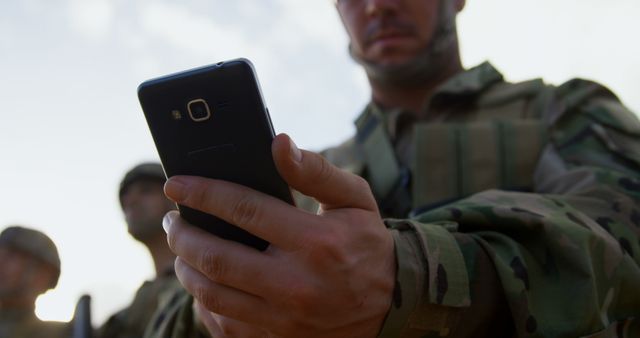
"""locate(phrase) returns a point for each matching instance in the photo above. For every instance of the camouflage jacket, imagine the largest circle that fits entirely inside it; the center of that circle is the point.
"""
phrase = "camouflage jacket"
(24, 324)
(132, 321)
(175, 318)
(514, 210)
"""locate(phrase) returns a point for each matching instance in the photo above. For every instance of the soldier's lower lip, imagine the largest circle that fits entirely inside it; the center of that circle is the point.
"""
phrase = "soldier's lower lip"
(390, 40)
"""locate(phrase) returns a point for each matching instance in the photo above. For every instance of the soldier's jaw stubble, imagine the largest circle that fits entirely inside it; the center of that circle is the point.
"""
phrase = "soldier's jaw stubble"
(425, 66)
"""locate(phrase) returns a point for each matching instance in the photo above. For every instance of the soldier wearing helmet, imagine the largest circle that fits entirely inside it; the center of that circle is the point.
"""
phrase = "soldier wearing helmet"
(29, 266)
(144, 205)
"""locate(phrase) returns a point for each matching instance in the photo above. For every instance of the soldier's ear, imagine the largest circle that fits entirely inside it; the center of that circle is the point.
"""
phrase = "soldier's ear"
(460, 5)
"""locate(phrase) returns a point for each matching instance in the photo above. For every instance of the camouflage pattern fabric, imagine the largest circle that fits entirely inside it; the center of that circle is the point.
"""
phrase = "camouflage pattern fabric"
(24, 324)
(563, 243)
(535, 227)
(132, 321)
(175, 318)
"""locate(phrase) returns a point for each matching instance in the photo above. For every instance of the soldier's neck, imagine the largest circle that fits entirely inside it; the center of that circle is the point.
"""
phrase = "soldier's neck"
(413, 98)
(163, 257)
(17, 305)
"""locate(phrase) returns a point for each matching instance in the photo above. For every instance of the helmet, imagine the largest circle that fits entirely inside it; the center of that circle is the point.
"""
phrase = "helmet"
(34, 243)
(145, 171)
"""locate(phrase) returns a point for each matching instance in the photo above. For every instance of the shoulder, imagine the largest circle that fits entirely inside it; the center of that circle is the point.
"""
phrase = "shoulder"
(526, 99)
(152, 291)
(502, 92)
(588, 121)
(175, 318)
(597, 103)
(114, 325)
(46, 329)
(56, 329)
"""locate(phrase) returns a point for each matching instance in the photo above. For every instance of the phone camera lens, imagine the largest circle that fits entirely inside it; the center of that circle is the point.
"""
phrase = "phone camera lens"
(199, 110)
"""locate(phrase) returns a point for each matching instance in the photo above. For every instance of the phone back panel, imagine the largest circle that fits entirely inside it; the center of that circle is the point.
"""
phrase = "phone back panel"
(233, 144)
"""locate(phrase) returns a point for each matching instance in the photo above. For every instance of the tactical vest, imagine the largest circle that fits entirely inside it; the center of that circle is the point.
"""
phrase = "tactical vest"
(498, 148)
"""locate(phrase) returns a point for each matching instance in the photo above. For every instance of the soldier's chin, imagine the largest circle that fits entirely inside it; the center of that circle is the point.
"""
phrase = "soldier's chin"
(392, 56)
(410, 73)
(144, 231)
(398, 69)
(391, 64)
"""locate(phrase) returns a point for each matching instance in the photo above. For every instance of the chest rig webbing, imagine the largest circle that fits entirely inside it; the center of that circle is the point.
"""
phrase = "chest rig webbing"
(498, 148)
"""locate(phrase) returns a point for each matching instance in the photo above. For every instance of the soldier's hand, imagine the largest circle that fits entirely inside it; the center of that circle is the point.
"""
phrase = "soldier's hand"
(325, 275)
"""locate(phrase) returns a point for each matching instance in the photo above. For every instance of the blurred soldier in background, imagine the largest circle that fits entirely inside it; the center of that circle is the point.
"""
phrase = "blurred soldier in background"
(144, 204)
(29, 266)
(490, 209)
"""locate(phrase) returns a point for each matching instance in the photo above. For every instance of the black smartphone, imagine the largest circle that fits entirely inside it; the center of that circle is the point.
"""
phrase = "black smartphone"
(212, 122)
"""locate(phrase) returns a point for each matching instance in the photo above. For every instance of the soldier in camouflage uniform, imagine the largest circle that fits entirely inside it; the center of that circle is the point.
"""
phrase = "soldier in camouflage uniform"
(511, 210)
(144, 204)
(29, 266)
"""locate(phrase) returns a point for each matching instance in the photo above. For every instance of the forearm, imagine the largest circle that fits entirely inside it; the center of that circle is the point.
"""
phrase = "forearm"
(446, 285)
(542, 255)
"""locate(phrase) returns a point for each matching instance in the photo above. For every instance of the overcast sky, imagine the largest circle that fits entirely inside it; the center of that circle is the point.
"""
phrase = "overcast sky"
(71, 124)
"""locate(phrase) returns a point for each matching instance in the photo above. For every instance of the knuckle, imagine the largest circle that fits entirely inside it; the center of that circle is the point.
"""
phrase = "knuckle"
(197, 196)
(325, 170)
(361, 183)
(212, 264)
(228, 328)
(364, 192)
(207, 299)
(301, 299)
(329, 249)
(245, 210)
(322, 243)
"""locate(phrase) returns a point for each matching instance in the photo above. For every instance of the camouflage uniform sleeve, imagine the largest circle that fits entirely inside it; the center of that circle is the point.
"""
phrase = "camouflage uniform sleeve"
(565, 258)
(175, 318)
(114, 325)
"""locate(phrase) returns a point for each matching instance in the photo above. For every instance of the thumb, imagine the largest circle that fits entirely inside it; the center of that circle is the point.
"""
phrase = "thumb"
(312, 175)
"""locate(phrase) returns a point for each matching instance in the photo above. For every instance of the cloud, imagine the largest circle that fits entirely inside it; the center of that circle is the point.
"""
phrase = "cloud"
(191, 31)
(92, 18)
(556, 40)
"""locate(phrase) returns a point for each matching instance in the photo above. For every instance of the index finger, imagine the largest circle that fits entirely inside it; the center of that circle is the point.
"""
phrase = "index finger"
(260, 214)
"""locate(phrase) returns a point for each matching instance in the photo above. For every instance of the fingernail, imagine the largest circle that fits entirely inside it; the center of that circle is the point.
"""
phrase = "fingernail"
(175, 189)
(166, 221)
(295, 152)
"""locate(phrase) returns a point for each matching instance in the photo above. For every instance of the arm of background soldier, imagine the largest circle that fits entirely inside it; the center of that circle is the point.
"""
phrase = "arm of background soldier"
(176, 318)
(113, 326)
(567, 257)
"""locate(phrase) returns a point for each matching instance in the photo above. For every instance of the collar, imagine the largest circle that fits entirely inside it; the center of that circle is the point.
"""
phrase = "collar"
(462, 86)
(470, 82)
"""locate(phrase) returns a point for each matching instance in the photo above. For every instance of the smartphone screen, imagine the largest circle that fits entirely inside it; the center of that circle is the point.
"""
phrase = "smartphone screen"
(212, 122)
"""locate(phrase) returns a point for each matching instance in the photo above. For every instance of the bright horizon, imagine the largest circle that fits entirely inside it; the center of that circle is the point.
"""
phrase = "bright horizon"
(72, 125)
